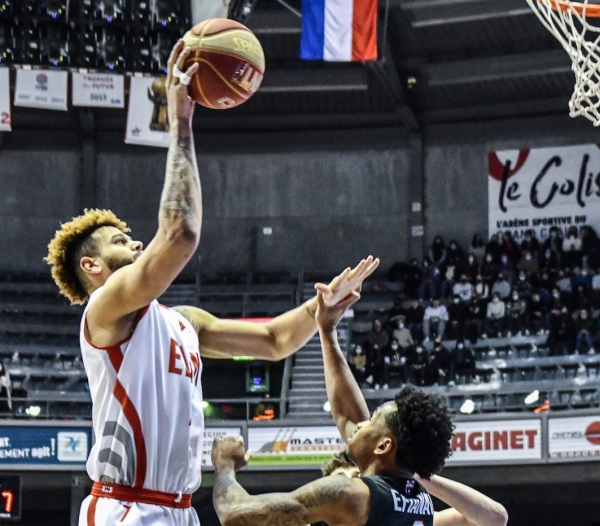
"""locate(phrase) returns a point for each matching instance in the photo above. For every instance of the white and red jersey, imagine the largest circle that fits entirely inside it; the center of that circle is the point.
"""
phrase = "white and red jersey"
(147, 404)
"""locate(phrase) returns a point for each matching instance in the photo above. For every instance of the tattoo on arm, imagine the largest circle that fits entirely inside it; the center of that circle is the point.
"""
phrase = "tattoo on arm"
(313, 502)
(180, 197)
(311, 312)
(188, 315)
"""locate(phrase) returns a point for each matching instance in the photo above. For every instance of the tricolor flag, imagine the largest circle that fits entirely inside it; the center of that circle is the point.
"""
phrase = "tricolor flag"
(339, 30)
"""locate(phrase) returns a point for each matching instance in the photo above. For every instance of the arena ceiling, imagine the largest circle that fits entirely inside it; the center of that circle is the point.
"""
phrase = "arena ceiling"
(442, 61)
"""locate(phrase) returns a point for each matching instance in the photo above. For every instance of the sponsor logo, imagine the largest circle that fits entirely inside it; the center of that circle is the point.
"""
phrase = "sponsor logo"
(72, 446)
(592, 433)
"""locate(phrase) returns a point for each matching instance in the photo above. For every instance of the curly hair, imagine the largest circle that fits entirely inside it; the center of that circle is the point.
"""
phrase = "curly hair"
(73, 241)
(423, 430)
(337, 461)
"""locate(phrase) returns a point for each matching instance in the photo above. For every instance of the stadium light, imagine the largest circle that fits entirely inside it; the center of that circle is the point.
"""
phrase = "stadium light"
(533, 397)
(33, 410)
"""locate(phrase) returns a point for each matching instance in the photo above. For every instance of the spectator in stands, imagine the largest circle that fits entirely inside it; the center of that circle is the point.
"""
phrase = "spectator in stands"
(449, 280)
(395, 314)
(463, 289)
(494, 247)
(470, 268)
(377, 339)
(481, 290)
(435, 316)
(564, 281)
(549, 261)
(562, 332)
(430, 283)
(536, 315)
(589, 246)
(516, 310)
(358, 363)
(523, 285)
(462, 362)
(489, 269)
(477, 247)
(5, 390)
(495, 317)
(264, 410)
(437, 252)
(501, 287)
(457, 318)
(510, 248)
(586, 328)
(545, 284)
(413, 279)
(402, 335)
(455, 255)
(398, 360)
(414, 319)
(530, 243)
(474, 320)
(583, 278)
(440, 364)
(528, 264)
(580, 299)
(571, 249)
(507, 267)
(419, 367)
(554, 242)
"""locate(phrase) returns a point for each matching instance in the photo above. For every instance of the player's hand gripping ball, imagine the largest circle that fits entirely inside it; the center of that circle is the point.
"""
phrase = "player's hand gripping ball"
(231, 63)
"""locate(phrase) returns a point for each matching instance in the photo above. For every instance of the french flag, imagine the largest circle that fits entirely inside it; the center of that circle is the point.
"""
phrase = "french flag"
(339, 30)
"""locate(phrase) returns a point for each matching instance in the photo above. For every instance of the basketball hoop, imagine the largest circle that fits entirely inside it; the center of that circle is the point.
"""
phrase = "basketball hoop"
(570, 23)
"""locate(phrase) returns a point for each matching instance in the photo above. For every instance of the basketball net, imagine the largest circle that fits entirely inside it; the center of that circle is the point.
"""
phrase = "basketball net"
(568, 22)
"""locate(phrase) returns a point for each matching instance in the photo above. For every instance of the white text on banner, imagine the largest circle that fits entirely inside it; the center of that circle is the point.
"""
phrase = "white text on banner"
(499, 440)
(98, 89)
(5, 114)
(210, 433)
(147, 118)
(576, 437)
(543, 188)
(41, 89)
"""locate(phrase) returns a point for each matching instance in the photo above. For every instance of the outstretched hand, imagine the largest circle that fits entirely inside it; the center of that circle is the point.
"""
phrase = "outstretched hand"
(181, 107)
(347, 282)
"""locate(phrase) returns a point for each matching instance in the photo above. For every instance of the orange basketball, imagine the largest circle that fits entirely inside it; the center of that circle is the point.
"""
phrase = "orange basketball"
(231, 63)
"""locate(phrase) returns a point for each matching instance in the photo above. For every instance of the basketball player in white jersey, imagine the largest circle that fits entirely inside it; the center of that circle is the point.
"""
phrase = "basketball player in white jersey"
(142, 359)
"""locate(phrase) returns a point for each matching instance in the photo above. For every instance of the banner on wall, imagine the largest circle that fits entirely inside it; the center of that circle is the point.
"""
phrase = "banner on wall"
(41, 89)
(500, 440)
(574, 437)
(147, 117)
(98, 90)
(44, 446)
(544, 187)
(5, 113)
(210, 433)
(293, 446)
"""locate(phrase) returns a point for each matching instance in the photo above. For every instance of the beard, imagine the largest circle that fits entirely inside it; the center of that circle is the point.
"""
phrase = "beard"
(115, 263)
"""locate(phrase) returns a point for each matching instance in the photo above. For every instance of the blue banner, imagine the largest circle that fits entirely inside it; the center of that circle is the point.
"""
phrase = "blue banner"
(44, 446)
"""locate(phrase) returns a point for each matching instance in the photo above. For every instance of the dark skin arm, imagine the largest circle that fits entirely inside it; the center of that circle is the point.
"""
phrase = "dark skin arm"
(335, 500)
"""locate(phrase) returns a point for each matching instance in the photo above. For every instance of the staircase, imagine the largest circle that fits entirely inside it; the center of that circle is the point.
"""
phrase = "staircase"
(307, 394)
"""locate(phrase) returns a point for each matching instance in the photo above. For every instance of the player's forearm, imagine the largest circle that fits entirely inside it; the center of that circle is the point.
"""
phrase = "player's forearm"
(343, 392)
(181, 200)
(474, 506)
(293, 329)
(235, 507)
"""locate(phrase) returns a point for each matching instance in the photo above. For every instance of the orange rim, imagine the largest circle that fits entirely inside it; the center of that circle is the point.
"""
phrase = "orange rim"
(592, 11)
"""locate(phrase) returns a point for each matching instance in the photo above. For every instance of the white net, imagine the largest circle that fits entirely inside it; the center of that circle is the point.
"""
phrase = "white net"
(572, 23)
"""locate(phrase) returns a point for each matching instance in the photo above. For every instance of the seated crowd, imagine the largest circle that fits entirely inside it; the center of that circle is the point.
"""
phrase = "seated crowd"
(496, 289)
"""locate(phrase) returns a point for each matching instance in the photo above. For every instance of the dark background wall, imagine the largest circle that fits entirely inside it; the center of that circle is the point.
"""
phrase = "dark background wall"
(329, 197)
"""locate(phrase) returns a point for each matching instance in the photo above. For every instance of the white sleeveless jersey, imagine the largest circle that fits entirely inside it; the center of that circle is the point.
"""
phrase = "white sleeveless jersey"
(147, 404)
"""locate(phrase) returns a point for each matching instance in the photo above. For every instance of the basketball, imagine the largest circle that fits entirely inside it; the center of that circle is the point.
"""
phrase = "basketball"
(231, 63)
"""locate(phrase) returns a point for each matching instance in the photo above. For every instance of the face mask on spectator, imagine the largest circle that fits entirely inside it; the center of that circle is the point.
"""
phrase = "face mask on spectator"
(584, 273)
(504, 259)
(584, 315)
(528, 257)
(419, 350)
(358, 351)
(455, 300)
(548, 253)
(460, 345)
(452, 246)
(488, 258)
(556, 295)
(471, 259)
(496, 300)
(522, 278)
(401, 325)
(515, 298)
(394, 347)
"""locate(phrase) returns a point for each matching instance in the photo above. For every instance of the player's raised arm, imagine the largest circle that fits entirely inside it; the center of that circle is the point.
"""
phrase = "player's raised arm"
(180, 216)
(334, 500)
(469, 507)
(348, 406)
(279, 337)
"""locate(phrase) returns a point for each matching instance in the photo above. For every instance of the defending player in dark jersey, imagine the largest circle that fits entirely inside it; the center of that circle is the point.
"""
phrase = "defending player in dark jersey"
(406, 436)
